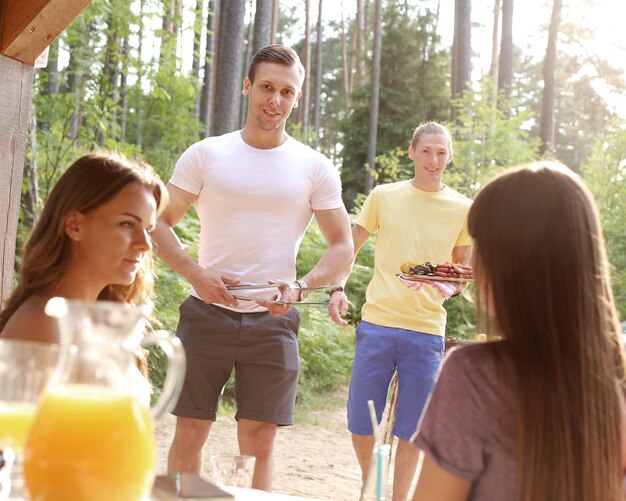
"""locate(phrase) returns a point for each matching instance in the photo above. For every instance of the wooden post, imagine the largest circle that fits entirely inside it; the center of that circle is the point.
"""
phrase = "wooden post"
(16, 84)
(27, 27)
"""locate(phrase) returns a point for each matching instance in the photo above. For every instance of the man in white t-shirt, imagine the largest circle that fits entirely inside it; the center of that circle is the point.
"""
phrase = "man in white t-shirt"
(255, 191)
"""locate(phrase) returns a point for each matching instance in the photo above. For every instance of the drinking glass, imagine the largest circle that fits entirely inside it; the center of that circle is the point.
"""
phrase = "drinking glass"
(25, 369)
(233, 470)
(375, 488)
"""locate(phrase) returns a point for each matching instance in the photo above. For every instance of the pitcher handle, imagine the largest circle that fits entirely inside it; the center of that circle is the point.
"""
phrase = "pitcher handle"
(176, 366)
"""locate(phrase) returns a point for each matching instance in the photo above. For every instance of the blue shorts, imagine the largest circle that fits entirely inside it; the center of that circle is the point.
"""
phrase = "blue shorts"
(380, 351)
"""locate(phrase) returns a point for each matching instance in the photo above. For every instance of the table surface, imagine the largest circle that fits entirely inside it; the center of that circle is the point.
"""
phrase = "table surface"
(242, 494)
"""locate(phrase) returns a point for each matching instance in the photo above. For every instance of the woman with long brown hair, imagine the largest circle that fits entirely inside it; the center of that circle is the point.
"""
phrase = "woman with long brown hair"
(537, 413)
(91, 242)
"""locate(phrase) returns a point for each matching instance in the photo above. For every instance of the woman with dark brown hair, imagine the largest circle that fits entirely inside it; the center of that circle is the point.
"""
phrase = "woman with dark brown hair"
(91, 242)
(538, 413)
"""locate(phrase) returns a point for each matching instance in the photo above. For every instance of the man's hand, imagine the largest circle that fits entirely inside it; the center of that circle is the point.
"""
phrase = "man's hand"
(289, 293)
(211, 287)
(338, 307)
(461, 255)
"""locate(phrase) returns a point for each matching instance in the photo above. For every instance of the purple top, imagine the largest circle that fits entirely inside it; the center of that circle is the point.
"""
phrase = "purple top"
(462, 424)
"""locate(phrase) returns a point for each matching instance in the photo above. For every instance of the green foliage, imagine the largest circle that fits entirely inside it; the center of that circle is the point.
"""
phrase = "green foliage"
(359, 280)
(413, 88)
(362, 271)
(307, 137)
(170, 291)
(326, 351)
(151, 116)
(312, 249)
(392, 166)
(461, 315)
(487, 140)
(605, 174)
(169, 125)
(55, 151)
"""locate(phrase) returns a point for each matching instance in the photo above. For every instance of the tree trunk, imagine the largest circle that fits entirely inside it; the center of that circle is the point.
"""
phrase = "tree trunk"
(139, 136)
(73, 88)
(243, 104)
(275, 14)
(494, 50)
(575, 145)
(52, 84)
(461, 51)
(305, 100)
(52, 69)
(494, 66)
(373, 131)
(172, 18)
(197, 37)
(353, 64)
(262, 24)
(347, 77)
(216, 38)
(209, 55)
(361, 69)
(123, 92)
(167, 26)
(429, 52)
(436, 24)
(196, 56)
(228, 69)
(366, 5)
(177, 22)
(505, 71)
(31, 196)
(546, 130)
(318, 73)
(108, 90)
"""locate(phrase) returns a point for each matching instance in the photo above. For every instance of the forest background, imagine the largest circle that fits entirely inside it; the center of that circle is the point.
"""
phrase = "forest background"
(150, 77)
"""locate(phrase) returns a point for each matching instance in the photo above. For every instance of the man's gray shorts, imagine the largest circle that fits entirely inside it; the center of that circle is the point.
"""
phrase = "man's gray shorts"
(262, 349)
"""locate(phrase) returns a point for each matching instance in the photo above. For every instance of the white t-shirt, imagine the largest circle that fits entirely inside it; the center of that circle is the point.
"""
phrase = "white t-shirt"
(254, 205)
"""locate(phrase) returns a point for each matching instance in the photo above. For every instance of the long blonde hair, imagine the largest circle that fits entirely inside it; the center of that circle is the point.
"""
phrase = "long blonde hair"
(90, 182)
(542, 263)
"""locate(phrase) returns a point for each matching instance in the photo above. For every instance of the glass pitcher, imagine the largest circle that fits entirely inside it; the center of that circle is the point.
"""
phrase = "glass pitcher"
(92, 438)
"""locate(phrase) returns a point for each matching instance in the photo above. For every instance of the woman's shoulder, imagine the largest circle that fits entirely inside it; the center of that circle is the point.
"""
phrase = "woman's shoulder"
(30, 322)
(478, 354)
(475, 364)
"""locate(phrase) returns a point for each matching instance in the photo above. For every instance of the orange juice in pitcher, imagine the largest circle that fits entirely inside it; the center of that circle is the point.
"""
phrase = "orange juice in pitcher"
(91, 438)
(100, 441)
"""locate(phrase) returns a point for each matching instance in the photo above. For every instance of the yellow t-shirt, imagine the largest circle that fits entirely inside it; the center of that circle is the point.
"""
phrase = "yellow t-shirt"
(412, 225)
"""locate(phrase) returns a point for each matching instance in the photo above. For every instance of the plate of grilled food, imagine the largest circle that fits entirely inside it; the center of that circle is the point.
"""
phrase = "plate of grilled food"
(445, 272)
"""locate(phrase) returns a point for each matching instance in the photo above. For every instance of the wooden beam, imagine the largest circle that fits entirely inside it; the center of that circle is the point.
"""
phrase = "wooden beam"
(16, 85)
(29, 26)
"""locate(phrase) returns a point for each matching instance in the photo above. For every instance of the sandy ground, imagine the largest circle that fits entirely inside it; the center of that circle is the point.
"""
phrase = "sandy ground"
(311, 460)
